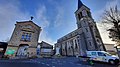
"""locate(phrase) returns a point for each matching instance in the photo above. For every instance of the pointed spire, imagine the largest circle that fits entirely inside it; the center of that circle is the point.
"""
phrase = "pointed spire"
(79, 4)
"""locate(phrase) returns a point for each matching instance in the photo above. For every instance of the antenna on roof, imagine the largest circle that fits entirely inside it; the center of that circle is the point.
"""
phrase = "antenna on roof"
(31, 18)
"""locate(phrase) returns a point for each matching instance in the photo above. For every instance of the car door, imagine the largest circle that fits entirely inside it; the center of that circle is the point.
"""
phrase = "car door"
(94, 56)
(101, 56)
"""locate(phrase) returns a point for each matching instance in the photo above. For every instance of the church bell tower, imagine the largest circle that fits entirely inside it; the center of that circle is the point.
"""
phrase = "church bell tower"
(86, 23)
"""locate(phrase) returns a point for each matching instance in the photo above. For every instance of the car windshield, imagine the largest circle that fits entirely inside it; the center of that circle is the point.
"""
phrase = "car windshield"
(108, 54)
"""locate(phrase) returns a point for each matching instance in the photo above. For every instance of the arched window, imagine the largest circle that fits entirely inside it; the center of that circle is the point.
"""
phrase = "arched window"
(90, 44)
(89, 14)
(76, 44)
(79, 17)
(84, 13)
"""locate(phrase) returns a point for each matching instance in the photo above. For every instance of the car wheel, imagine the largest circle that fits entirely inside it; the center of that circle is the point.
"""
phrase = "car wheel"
(111, 61)
(116, 61)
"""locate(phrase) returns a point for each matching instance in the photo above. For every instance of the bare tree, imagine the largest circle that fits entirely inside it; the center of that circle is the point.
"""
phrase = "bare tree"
(112, 17)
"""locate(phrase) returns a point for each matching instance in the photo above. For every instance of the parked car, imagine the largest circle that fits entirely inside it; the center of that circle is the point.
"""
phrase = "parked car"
(103, 57)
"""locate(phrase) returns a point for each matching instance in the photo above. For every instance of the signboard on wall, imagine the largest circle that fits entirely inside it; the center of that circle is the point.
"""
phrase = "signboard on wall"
(45, 50)
(10, 51)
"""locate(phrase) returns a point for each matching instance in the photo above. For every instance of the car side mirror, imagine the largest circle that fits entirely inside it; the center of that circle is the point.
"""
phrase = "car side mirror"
(104, 55)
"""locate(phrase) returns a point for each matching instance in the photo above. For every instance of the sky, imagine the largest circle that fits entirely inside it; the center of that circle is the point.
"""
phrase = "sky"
(55, 17)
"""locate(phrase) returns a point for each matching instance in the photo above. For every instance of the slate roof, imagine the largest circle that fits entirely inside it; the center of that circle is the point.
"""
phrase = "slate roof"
(80, 4)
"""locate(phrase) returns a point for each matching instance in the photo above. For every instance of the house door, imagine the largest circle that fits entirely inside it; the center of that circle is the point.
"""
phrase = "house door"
(22, 51)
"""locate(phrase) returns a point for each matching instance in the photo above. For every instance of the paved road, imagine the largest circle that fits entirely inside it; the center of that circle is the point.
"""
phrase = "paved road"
(50, 62)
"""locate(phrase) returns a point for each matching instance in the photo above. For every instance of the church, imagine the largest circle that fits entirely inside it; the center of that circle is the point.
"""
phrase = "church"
(85, 38)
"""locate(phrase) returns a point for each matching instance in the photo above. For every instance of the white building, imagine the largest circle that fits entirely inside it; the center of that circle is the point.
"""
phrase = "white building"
(85, 37)
(110, 48)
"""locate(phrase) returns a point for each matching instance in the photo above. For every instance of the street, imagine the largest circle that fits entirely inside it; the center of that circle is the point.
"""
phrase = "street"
(51, 62)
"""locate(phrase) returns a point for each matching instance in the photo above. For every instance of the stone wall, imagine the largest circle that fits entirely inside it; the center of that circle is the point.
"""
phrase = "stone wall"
(25, 33)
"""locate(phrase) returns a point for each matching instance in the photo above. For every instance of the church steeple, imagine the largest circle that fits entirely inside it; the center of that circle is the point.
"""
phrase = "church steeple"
(79, 4)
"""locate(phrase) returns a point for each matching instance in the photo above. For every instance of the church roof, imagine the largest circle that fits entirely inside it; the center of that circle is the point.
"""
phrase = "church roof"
(45, 45)
(80, 4)
(70, 35)
(28, 22)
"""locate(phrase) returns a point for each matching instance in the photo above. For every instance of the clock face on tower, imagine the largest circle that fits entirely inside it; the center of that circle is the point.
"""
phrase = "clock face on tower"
(84, 13)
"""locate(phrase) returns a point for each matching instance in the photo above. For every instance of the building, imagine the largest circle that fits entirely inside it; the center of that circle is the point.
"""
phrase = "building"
(3, 46)
(46, 50)
(24, 39)
(85, 38)
(110, 48)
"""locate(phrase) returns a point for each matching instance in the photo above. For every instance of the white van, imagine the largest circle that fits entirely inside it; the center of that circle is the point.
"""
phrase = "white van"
(103, 57)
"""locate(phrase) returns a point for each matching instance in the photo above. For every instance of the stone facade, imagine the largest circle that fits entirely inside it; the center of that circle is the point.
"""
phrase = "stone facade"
(110, 47)
(24, 39)
(85, 38)
(46, 50)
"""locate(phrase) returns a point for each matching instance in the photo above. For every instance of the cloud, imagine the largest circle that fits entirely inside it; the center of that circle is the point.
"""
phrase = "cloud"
(59, 17)
(44, 23)
(104, 34)
(40, 16)
(9, 13)
(99, 13)
(112, 3)
(45, 37)
(109, 4)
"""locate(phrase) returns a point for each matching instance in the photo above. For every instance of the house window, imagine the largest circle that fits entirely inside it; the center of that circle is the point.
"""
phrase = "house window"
(79, 16)
(90, 44)
(98, 41)
(79, 25)
(69, 49)
(23, 36)
(88, 13)
(26, 37)
(84, 13)
(63, 49)
(76, 44)
(86, 29)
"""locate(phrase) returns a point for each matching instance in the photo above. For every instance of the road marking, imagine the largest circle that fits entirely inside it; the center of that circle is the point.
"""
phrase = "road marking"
(64, 61)
(88, 66)
(47, 64)
(53, 62)
(78, 64)
(60, 63)
(43, 63)
(71, 62)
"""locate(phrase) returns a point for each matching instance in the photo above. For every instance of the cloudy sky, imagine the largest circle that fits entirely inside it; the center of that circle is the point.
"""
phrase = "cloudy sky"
(56, 17)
